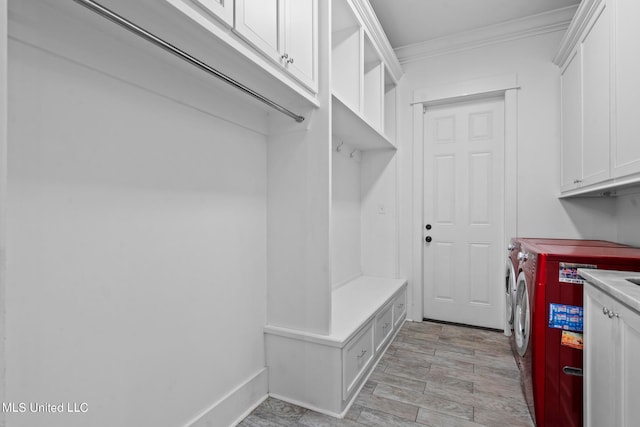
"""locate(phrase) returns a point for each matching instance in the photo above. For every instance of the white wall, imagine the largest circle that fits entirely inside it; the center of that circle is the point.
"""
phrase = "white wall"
(628, 219)
(364, 226)
(346, 222)
(379, 183)
(539, 212)
(136, 277)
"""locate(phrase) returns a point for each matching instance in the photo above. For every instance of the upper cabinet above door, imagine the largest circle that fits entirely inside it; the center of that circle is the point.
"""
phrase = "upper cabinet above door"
(285, 31)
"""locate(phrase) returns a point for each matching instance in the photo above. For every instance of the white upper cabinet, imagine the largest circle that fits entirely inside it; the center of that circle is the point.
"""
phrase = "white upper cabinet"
(585, 88)
(257, 21)
(300, 41)
(595, 99)
(600, 88)
(286, 31)
(571, 97)
(626, 147)
(221, 9)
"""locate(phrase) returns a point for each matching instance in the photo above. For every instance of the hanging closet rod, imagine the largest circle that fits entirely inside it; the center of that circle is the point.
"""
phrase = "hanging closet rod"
(141, 32)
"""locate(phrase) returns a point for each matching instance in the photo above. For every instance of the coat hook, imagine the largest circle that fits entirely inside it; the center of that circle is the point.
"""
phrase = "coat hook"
(339, 148)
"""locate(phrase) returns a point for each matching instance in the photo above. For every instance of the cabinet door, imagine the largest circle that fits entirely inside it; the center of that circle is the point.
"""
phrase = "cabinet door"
(301, 41)
(629, 372)
(221, 9)
(599, 359)
(571, 98)
(595, 98)
(258, 22)
(626, 148)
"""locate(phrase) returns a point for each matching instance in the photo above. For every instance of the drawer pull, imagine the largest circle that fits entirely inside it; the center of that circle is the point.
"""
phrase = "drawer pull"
(570, 370)
(362, 353)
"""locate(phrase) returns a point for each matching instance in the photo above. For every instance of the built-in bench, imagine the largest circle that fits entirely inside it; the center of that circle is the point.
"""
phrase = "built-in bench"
(325, 372)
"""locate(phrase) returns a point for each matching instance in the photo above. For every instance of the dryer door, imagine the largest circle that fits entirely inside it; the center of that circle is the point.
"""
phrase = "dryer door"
(510, 296)
(522, 316)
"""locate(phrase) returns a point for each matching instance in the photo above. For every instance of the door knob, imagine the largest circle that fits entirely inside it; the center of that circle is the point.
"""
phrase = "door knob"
(428, 239)
(428, 226)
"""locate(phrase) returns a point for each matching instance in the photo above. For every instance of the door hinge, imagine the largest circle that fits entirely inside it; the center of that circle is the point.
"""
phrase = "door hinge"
(424, 109)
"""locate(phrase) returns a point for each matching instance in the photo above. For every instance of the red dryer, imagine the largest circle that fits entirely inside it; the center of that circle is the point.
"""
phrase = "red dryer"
(548, 322)
(513, 268)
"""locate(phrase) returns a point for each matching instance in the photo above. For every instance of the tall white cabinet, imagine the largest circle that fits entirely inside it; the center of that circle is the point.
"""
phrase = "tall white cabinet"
(599, 86)
(612, 345)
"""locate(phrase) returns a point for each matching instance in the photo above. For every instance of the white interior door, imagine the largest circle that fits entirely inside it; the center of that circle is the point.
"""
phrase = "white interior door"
(464, 212)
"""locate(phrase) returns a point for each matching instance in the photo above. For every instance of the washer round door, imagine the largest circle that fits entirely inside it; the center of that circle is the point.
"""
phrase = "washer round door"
(522, 316)
(510, 294)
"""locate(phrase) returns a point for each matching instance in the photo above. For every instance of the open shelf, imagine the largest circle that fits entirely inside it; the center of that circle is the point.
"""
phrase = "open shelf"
(346, 51)
(389, 128)
(350, 127)
(372, 93)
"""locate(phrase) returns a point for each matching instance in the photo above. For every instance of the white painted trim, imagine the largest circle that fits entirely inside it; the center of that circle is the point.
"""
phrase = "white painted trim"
(236, 405)
(472, 89)
(417, 212)
(486, 85)
(543, 23)
(581, 18)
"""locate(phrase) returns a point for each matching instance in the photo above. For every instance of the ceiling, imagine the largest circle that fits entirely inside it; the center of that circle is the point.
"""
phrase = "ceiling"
(408, 22)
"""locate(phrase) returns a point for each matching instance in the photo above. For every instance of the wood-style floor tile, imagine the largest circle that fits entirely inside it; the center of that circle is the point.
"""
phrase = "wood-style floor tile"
(433, 374)
(425, 400)
(373, 417)
(394, 407)
(436, 419)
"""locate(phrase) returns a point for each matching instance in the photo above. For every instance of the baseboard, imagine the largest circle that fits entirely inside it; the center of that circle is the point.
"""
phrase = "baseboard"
(236, 405)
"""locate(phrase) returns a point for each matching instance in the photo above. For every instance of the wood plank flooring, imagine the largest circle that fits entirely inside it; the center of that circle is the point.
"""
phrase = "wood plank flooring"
(433, 374)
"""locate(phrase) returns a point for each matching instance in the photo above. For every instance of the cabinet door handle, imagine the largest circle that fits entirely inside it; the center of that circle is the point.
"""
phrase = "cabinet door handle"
(362, 353)
(290, 61)
(609, 313)
(285, 56)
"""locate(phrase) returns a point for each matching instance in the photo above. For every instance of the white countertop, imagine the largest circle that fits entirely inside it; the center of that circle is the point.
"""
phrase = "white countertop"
(615, 283)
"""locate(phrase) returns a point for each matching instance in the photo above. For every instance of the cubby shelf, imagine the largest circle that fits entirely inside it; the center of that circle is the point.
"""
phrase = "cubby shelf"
(353, 129)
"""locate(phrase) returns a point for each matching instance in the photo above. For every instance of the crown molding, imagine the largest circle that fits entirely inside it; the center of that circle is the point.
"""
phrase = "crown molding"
(582, 17)
(542, 23)
(374, 30)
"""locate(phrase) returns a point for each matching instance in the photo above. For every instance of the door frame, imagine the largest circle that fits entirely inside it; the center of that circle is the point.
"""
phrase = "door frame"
(505, 85)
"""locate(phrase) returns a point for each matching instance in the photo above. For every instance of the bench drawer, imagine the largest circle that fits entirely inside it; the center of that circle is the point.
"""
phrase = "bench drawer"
(356, 357)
